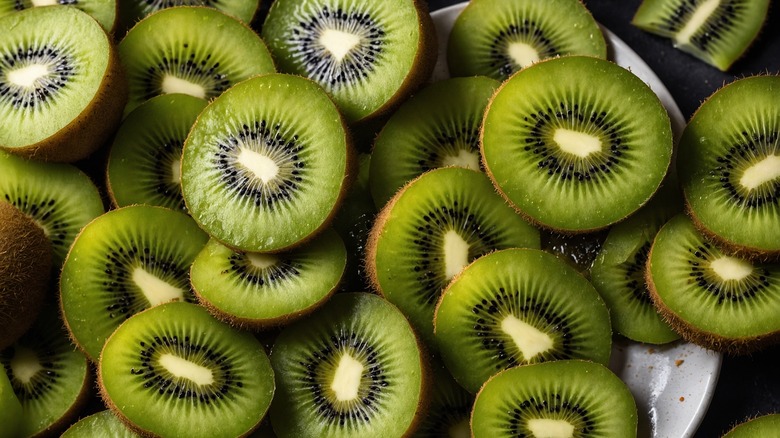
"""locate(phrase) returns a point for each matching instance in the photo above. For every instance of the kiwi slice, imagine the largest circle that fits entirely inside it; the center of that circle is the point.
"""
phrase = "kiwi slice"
(259, 174)
(132, 11)
(10, 409)
(437, 127)
(174, 370)
(518, 306)
(61, 85)
(571, 398)
(260, 290)
(758, 427)
(729, 167)
(101, 424)
(192, 50)
(123, 262)
(354, 368)
(450, 407)
(104, 11)
(58, 197)
(579, 153)
(716, 300)
(496, 38)
(369, 56)
(144, 166)
(716, 31)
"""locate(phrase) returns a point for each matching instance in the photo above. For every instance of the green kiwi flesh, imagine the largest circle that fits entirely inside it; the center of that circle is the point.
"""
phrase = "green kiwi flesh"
(10, 409)
(570, 398)
(174, 370)
(496, 38)
(262, 290)
(717, 32)
(722, 302)
(354, 368)
(144, 166)
(515, 307)
(759, 427)
(251, 167)
(437, 127)
(123, 262)
(579, 153)
(104, 11)
(729, 167)
(101, 424)
(132, 11)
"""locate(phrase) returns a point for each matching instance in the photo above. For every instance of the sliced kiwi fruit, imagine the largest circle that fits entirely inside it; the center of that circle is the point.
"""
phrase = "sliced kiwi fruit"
(571, 398)
(132, 11)
(10, 409)
(174, 370)
(716, 31)
(101, 424)
(430, 230)
(496, 38)
(123, 262)
(260, 290)
(168, 52)
(61, 85)
(713, 299)
(104, 11)
(144, 166)
(578, 153)
(518, 306)
(729, 167)
(450, 407)
(758, 427)
(437, 127)
(58, 197)
(253, 166)
(369, 56)
(354, 368)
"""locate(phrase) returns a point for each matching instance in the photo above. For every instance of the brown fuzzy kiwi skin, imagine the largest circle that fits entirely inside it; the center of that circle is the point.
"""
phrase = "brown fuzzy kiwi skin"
(25, 266)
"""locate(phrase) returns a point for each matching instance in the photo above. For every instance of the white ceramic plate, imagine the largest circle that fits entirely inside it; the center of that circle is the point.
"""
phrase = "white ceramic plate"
(672, 384)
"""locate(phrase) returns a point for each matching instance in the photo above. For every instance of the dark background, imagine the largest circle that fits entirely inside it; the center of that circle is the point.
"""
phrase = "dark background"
(748, 386)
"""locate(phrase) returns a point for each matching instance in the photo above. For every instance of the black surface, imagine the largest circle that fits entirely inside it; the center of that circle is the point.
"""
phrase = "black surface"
(748, 386)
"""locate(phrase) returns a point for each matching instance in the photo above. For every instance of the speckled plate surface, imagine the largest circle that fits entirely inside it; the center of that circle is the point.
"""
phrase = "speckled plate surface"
(674, 383)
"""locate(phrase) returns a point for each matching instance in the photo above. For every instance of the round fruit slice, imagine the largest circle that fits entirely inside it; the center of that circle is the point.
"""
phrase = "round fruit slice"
(729, 166)
(258, 173)
(104, 424)
(123, 262)
(354, 368)
(518, 306)
(174, 370)
(763, 426)
(578, 153)
(719, 301)
(562, 398)
(61, 85)
(104, 11)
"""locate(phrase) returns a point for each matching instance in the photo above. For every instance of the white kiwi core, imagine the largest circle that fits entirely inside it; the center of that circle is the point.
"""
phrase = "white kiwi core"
(338, 43)
(183, 368)
(729, 268)
(576, 143)
(25, 364)
(346, 381)
(696, 21)
(176, 171)
(154, 289)
(44, 2)
(762, 172)
(528, 338)
(465, 158)
(26, 76)
(522, 54)
(172, 84)
(548, 428)
(456, 253)
(261, 261)
(260, 165)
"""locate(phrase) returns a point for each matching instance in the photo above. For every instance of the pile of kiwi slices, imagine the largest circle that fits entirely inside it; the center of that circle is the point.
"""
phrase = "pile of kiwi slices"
(255, 275)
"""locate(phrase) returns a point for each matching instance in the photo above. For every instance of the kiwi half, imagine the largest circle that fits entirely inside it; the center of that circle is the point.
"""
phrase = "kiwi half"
(104, 11)
(578, 153)
(101, 424)
(174, 370)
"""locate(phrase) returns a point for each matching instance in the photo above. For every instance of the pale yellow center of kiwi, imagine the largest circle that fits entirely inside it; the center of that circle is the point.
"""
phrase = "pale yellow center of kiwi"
(261, 261)
(260, 165)
(338, 42)
(529, 340)
(456, 253)
(697, 20)
(172, 84)
(467, 159)
(346, 380)
(25, 364)
(460, 429)
(762, 172)
(156, 290)
(26, 76)
(176, 171)
(44, 2)
(548, 428)
(730, 268)
(522, 54)
(183, 368)
(576, 143)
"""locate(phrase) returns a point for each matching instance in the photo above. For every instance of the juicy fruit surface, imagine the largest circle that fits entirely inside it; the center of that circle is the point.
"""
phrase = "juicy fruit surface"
(579, 153)
(104, 11)
(10, 408)
(132, 11)
(174, 370)
(104, 424)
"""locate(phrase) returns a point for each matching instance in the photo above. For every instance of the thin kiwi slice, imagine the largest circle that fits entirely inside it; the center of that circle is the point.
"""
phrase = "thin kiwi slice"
(262, 290)
(174, 370)
(101, 424)
(571, 398)
(354, 368)
(123, 262)
(437, 127)
(259, 174)
(496, 38)
(104, 11)
(758, 427)
(729, 167)
(132, 11)
(435, 226)
(368, 56)
(578, 153)
(722, 302)
(518, 306)
(192, 50)
(144, 166)
(61, 85)
(716, 31)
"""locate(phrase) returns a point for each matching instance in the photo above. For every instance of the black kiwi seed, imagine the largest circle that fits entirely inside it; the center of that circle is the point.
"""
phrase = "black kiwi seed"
(283, 270)
(46, 87)
(206, 72)
(636, 272)
(740, 156)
